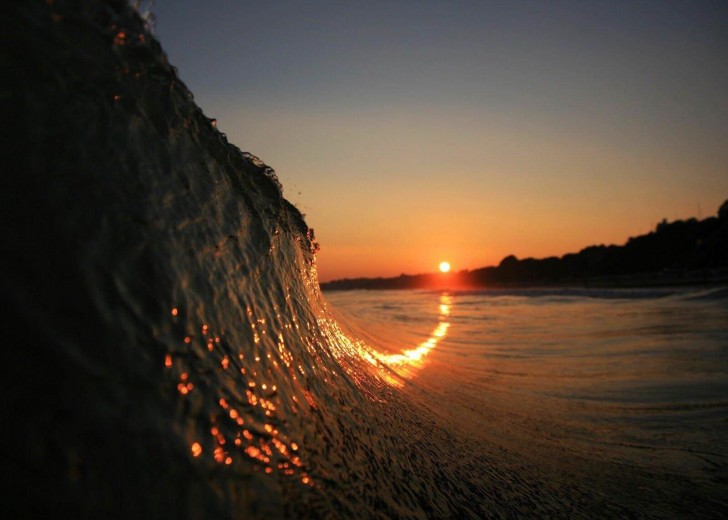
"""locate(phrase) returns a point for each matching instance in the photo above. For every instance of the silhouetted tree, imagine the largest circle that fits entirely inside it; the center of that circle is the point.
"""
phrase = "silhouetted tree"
(723, 211)
(673, 248)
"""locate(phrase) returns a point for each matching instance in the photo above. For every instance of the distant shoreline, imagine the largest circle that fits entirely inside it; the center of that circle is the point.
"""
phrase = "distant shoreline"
(679, 253)
(646, 280)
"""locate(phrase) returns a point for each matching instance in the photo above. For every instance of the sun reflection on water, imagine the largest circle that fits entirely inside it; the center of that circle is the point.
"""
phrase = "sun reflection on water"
(390, 367)
(415, 357)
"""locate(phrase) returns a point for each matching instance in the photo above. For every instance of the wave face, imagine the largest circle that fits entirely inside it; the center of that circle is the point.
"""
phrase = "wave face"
(169, 352)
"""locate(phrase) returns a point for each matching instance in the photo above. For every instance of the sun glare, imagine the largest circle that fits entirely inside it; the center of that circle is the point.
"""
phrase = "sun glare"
(444, 267)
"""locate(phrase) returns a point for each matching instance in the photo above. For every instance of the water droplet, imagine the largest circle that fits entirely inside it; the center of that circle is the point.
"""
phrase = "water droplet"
(196, 449)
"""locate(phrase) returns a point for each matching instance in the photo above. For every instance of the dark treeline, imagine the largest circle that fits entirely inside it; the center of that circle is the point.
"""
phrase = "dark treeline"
(684, 251)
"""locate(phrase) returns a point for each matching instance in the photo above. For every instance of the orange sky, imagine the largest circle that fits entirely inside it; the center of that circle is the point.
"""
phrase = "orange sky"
(415, 132)
(485, 192)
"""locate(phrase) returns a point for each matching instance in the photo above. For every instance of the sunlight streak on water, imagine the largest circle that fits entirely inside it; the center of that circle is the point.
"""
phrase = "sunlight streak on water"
(391, 367)
(414, 358)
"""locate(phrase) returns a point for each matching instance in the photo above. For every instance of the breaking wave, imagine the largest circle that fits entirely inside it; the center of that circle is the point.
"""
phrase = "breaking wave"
(169, 351)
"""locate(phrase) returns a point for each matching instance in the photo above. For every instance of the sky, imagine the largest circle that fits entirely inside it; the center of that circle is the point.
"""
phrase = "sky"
(411, 132)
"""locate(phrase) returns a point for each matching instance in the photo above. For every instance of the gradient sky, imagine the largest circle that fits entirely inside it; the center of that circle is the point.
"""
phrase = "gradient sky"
(411, 132)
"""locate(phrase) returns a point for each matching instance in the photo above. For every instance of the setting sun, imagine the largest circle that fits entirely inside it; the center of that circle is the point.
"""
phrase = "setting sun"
(444, 267)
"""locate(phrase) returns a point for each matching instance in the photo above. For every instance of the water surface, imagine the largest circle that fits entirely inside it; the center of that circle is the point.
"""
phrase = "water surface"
(623, 389)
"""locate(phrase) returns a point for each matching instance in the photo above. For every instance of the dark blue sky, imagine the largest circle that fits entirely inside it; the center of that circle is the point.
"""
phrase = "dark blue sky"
(481, 128)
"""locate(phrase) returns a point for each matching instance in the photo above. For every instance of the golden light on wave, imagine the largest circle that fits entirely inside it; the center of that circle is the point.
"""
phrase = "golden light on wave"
(392, 368)
(415, 357)
(444, 267)
(243, 433)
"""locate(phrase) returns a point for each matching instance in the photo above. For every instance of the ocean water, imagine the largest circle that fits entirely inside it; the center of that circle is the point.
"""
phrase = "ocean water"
(613, 397)
(168, 353)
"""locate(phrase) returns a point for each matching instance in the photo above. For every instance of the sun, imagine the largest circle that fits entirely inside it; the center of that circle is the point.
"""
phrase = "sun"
(444, 267)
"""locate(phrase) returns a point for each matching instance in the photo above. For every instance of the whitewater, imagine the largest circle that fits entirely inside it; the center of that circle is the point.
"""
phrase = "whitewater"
(168, 352)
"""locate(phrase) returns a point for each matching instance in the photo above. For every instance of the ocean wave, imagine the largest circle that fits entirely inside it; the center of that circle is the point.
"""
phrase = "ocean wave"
(170, 353)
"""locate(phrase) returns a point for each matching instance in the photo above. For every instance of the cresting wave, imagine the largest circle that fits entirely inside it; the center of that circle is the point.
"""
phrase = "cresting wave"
(177, 356)
(170, 352)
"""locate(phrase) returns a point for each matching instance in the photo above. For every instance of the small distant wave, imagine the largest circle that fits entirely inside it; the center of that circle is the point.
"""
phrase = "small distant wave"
(710, 294)
(568, 293)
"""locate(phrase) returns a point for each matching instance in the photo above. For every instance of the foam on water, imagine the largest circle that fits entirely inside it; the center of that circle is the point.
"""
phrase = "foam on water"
(170, 354)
